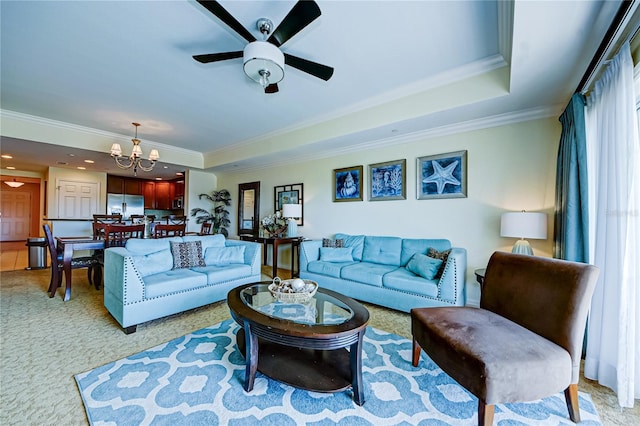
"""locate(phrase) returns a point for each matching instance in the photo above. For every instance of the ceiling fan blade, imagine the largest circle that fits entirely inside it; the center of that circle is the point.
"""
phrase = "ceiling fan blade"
(222, 14)
(300, 15)
(214, 57)
(315, 69)
(272, 88)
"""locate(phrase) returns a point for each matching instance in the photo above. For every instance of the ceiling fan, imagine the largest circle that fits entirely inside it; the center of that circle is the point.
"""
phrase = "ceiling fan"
(263, 60)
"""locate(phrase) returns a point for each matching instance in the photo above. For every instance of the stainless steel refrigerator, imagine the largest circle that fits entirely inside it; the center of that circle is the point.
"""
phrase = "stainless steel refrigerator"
(126, 205)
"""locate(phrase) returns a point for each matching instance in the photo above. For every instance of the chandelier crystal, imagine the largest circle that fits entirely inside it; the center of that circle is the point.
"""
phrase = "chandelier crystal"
(135, 159)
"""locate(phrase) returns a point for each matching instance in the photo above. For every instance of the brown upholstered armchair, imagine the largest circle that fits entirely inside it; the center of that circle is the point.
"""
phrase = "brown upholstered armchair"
(523, 343)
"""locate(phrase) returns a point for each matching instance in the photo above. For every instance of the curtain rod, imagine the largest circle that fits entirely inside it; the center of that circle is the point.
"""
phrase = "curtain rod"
(609, 39)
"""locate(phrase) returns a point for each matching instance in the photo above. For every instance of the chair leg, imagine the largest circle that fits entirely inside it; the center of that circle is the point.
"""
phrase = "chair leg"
(416, 353)
(485, 413)
(90, 275)
(97, 276)
(571, 396)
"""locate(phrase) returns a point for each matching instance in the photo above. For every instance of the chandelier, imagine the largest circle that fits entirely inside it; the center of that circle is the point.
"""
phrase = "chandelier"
(13, 183)
(135, 159)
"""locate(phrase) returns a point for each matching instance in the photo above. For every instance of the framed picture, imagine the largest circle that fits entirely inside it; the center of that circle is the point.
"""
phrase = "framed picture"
(388, 181)
(442, 176)
(347, 184)
(288, 194)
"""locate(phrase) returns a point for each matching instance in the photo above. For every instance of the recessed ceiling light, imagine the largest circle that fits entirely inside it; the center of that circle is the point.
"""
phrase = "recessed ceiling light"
(6, 156)
(62, 163)
(89, 161)
(72, 155)
(158, 178)
(178, 174)
(81, 168)
(165, 167)
(11, 168)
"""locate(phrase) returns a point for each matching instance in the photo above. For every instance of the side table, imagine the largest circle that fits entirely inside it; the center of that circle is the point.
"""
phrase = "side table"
(275, 242)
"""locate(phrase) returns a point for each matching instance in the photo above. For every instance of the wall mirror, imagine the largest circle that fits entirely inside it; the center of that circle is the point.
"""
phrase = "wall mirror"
(248, 208)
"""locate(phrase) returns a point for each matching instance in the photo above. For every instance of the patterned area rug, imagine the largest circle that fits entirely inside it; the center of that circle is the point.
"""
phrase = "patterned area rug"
(197, 379)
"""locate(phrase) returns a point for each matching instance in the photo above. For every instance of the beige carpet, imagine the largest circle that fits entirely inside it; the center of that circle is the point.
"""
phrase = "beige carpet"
(44, 342)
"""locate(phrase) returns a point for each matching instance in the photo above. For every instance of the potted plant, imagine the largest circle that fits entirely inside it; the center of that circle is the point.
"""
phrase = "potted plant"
(219, 216)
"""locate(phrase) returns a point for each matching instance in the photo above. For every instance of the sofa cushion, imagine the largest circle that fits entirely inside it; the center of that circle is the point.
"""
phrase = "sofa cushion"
(424, 266)
(343, 254)
(222, 274)
(207, 241)
(140, 246)
(403, 280)
(220, 256)
(442, 255)
(366, 273)
(331, 269)
(172, 281)
(356, 242)
(328, 242)
(187, 255)
(383, 250)
(411, 246)
(153, 263)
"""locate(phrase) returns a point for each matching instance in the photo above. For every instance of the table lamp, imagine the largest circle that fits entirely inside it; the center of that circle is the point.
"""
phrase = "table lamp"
(292, 212)
(523, 225)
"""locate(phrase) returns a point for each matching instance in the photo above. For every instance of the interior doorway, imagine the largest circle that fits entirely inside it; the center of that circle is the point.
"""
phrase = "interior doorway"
(20, 210)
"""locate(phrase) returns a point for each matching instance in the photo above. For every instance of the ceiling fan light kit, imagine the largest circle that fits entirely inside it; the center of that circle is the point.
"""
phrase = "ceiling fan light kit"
(263, 60)
(135, 159)
(263, 63)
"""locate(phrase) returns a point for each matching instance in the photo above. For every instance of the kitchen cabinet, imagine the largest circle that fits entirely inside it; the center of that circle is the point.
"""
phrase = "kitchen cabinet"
(164, 195)
(124, 185)
(149, 192)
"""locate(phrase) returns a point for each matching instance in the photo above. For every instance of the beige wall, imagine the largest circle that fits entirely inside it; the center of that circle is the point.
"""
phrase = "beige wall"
(510, 168)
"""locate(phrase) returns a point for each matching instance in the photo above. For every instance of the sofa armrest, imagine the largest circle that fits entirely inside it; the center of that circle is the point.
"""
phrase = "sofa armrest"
(252, 254)
(121, 278)
(453, 280)
(309, 252)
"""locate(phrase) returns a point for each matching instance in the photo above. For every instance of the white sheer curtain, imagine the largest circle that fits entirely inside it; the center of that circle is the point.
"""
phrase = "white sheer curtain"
(613, 152)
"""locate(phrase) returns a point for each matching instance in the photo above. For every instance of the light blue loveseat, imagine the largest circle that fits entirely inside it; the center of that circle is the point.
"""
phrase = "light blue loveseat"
(377, 272)
(140, 283)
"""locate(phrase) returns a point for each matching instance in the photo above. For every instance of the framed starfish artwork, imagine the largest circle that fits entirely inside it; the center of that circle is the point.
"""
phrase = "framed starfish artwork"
(442, 176)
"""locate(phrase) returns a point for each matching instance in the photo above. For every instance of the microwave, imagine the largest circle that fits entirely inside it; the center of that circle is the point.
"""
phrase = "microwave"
(177, 203)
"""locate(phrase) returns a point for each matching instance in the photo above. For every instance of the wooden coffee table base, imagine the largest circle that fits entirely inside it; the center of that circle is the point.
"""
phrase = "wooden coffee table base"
(310, 369)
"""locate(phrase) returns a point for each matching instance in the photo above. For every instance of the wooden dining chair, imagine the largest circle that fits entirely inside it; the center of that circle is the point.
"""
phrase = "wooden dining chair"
(107, 218)
(174, 219)
(94, 271)
(162, 230)
(117, 234)
(139, 218)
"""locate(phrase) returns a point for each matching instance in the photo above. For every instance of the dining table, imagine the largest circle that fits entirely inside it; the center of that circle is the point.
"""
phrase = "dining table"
(68, 245)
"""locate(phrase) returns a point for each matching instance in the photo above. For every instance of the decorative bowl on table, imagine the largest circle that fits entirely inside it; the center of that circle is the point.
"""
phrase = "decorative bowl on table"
(293, 291)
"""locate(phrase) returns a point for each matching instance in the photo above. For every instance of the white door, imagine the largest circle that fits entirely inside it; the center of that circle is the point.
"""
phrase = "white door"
(15, 215)
(77, 200)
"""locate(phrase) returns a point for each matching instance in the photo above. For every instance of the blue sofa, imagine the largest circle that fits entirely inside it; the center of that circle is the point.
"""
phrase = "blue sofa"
(144, 281)
(376, 271)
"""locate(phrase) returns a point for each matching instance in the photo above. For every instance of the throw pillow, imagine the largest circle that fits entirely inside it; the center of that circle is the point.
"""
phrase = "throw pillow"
(424, 266)
(442, 255)
(340, 254)
(220, 256)
(187, 255)
(337, 243)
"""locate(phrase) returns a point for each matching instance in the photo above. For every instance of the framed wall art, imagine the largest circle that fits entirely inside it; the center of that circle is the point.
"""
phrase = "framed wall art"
(289, 194)
(347, 184)
(388, 181)
(442, 176)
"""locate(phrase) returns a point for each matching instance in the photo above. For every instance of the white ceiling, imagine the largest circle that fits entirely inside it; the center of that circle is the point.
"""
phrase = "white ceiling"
(401, 68)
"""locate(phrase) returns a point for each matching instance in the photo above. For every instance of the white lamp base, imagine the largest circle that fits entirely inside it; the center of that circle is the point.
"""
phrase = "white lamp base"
(522, 247)
(292, 228)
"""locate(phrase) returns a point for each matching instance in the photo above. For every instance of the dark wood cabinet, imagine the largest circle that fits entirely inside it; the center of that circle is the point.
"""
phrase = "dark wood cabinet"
(149, 192)
(164, 195)
(179, 188)
(124, 185)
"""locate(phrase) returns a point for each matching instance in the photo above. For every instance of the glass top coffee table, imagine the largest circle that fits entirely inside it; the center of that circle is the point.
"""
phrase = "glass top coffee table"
(301, 344)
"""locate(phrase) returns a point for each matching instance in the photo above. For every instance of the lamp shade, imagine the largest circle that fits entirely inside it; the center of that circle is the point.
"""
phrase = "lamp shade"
(292, 210)
(524, 225)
